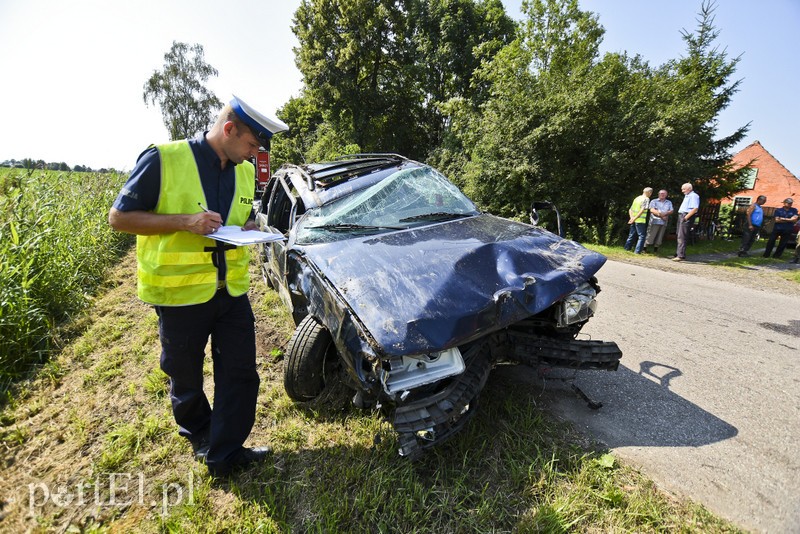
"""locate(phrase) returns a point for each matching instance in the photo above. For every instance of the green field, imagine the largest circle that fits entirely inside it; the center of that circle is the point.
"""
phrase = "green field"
(55, 249)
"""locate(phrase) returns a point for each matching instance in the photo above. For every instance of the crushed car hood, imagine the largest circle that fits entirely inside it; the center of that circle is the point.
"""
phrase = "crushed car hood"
(434, 287)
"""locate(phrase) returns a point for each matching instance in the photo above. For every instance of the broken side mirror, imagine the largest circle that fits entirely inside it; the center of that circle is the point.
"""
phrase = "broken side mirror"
(536, 216)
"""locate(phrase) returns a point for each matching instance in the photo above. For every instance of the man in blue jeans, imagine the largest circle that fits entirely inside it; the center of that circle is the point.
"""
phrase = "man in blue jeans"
(785, 218)
(638, 220)
(755, 218)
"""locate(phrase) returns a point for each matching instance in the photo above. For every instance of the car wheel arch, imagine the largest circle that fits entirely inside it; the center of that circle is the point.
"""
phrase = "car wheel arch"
(310, 348)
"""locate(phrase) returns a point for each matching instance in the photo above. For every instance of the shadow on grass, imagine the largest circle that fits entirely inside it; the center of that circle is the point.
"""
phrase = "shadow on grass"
(503, 468)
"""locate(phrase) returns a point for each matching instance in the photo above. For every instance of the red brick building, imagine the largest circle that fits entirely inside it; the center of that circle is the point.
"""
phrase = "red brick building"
(767, 176)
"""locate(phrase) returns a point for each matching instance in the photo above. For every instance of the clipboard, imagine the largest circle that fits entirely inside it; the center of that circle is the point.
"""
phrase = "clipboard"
(236, 236)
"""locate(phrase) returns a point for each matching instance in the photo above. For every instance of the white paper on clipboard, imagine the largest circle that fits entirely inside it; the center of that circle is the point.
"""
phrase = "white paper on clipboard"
(236, 236)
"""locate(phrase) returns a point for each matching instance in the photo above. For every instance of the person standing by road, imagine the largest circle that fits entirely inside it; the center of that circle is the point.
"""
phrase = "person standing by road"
(638, 220)
(689, 207)
(178, 193)
(660, 210)
(785, 217)
(755, 218)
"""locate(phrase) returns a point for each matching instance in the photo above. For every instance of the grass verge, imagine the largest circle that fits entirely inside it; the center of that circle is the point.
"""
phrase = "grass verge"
(793, 275)
(94, 448)
(667, 249)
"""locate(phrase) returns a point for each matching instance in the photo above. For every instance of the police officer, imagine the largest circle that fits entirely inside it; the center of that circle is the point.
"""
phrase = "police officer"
(638, 220)
(177, 193)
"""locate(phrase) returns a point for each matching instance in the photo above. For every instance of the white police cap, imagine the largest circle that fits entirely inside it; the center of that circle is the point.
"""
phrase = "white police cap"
(263, 127)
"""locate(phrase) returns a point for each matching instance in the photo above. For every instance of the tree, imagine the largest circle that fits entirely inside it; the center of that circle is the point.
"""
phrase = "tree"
(589, 133)
(354, 56)
(533, 137)
(453, 37)
(704, 84)
(379, 71)
(187, 106)
(303, 117)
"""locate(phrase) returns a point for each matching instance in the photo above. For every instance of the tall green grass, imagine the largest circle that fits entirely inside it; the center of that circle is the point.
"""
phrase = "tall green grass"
(55, 246)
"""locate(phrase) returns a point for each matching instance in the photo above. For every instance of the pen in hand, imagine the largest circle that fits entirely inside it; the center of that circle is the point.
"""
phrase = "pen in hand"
(207, 211)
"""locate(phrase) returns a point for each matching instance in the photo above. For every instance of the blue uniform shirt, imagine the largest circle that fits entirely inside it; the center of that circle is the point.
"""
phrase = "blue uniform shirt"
(786, 213)
(144, 183)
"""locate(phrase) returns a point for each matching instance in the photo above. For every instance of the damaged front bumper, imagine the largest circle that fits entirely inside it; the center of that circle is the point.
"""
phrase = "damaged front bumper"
(425, 418)
(535, 350)
(427, 421)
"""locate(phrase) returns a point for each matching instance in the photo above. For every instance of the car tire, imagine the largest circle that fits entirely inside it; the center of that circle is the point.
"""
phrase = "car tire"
(310, 347)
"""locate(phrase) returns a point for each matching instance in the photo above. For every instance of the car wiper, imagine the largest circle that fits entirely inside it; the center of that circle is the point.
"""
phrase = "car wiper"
(438, 216)
(347, 226)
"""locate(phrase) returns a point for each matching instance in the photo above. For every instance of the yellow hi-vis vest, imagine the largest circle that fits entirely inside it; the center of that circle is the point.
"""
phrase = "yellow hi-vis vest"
(637, 205)
(175, 269)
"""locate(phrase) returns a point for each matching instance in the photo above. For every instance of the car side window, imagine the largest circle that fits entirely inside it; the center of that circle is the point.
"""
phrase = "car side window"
(284, 206)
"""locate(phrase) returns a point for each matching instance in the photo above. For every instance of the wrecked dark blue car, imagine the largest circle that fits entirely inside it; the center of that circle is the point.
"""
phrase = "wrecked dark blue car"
(402, 288)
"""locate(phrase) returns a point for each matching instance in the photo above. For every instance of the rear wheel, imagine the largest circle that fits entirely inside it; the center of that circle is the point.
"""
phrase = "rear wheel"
(310, 347)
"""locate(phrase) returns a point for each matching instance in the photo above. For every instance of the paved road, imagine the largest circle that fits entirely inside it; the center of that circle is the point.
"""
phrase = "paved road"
(707, 400)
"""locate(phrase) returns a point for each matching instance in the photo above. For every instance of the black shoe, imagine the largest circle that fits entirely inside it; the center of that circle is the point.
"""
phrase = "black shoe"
(793, 260)
(241, 460)
(200, 448)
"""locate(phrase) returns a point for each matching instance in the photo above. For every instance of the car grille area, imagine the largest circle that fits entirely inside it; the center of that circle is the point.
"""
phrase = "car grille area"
(428, 421)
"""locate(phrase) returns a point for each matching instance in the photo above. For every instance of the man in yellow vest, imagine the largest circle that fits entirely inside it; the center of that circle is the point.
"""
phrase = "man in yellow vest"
(176, 195)
(637, 214)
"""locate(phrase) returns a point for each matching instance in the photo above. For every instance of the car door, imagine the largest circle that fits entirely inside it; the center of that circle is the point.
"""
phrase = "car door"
(279, 207)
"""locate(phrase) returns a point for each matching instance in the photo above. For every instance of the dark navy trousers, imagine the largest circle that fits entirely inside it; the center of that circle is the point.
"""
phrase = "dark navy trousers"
(185, 331)
(782, 235)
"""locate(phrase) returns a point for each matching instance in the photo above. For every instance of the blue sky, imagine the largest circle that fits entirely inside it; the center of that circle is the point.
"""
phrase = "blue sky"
(73, 71)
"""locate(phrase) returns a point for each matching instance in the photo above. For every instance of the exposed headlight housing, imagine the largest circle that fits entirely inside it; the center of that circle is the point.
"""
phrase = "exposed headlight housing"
(578, 306)
(407, 372)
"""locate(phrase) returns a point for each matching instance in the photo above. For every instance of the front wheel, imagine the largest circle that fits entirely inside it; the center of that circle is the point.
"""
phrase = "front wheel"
(310, 347)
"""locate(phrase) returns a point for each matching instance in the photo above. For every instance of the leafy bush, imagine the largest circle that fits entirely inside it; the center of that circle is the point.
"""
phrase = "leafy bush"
(55, 246)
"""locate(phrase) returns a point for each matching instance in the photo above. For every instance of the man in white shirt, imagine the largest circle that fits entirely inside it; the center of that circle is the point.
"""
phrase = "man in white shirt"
(660, 210)
(688, 209)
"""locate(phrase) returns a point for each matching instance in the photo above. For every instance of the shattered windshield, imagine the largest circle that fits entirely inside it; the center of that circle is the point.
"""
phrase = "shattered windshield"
(409, 197)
